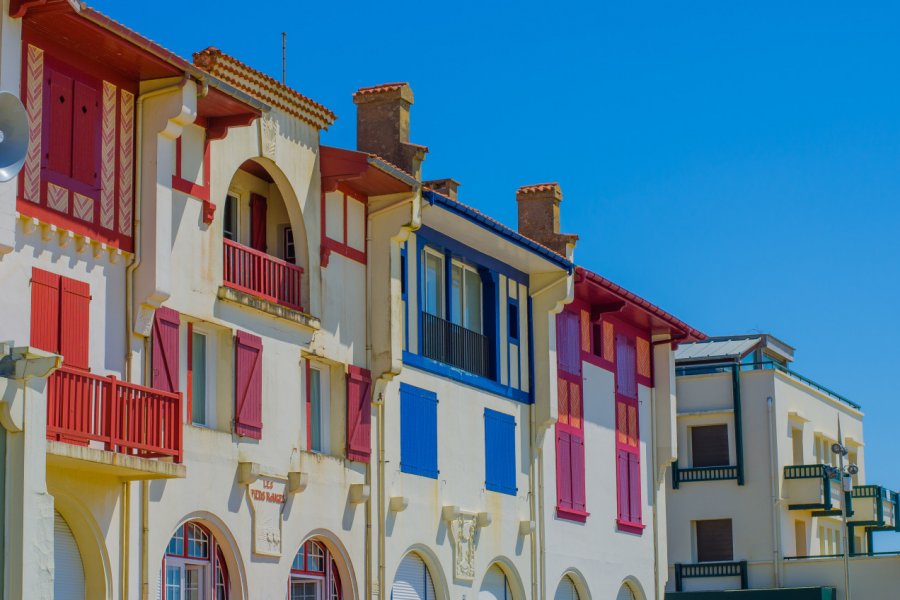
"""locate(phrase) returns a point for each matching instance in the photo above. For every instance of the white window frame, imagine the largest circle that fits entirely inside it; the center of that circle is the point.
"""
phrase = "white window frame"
(443, 278)
(462, 310)
(210, 371)
(324, 407)
(207, 583)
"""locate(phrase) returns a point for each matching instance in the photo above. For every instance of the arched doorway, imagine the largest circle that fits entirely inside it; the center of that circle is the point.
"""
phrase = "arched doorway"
(626, 593)
(68, 577)
(566, 589)
(314, 574)
(194, 567)
(413, 580)
(495, 585)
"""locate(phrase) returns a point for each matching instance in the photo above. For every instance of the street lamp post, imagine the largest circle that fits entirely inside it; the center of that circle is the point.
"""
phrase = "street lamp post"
(846, 486)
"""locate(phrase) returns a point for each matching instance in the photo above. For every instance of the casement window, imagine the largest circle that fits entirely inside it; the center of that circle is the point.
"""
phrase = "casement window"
(359, 414)
(433, 302)
(164, 359)
(314, 574)
(193, 567)
(709, 446)
(201, 374)
(248, 360)
(465, 289)
(318, 408)
(512, 321)
(60, 316)
(628, 461)
(230, 217)
(570, 457)
(714, 540)
(500, 452)
(418, 431)
(800, 545)
(258, 210)
(289, 251)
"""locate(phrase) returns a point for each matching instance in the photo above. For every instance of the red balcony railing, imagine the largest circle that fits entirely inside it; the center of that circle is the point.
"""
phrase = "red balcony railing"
(257, 273)
(125, 418)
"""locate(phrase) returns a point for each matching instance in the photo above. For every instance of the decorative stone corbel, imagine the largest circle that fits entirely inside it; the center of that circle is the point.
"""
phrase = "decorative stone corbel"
(449, 512)
(398, 503)
(297, 482)
(248, 472)
(20, 364)
(359, 493)
(484, 519)
(526, 528)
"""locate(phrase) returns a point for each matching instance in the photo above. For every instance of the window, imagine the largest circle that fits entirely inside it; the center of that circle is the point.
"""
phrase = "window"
(230, 218)
(797, 445)
(434, 283)
(500, 452)
(290, 254)
(570, 459)
(597, 339)
(714, 540)
(418, 431)
(199, 378)
(709, 446)
(465, 297)
(512, 318)
(628, 457)
(314, 574)
(193, 567)
(318, 409)
(60, 316)
(800, 539)
(830, 542)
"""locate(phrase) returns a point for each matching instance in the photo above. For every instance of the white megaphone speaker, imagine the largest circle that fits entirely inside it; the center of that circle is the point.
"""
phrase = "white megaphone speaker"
(13, 135)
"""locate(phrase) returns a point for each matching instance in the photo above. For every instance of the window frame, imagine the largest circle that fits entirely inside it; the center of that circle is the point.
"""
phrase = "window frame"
(235, 197)
(693, 450)
(211, 337)
(441, 293)
(327, 581)
(210, 567)
(697, 538)
(324, 381)
(465, 269)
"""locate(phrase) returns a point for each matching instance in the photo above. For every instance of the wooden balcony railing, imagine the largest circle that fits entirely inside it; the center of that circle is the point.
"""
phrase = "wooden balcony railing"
(455, 345)
(125, 418)
(691, 474)
(711, 569)
(265, 276)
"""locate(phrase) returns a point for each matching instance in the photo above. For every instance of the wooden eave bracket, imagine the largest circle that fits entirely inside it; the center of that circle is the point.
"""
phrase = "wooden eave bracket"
(19, 8)
(598, 310)
(217, 127)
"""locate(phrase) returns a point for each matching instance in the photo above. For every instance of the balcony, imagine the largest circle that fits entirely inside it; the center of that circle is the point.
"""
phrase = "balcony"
(455, 345)
(813, 487)
(710, 569)
(118, 426)
(875, 507)
(261, 275)
(688, 475)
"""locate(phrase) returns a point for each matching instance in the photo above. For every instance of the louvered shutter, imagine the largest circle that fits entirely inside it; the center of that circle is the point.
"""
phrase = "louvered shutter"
(500, 451)
(74, 322)
(45, 310)
(413, 581)
(68, 576)
(623, 503)
(359, 414)
(85, 134)
(258, 222)
(58, 125)
(577, 466)
(626, 376)
(709, 446)
(164, 361)
(248, 350)
(714, 540)
(634, 487)
(566, 590)
(418, 431)
(568, 345)
(564, 469)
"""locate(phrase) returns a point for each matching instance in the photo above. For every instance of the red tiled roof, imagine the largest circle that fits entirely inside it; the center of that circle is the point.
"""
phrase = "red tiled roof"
(377, 89)
(539, 187)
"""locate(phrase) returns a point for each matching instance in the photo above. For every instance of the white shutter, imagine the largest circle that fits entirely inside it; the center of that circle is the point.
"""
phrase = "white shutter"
(68, 579)
(413, 581)
(566, 590)
(625, 593)
(494, 586)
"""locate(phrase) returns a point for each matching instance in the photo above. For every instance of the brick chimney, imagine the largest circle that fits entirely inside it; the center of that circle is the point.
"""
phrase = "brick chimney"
(539, 216)
(382, 125)
(445, 187)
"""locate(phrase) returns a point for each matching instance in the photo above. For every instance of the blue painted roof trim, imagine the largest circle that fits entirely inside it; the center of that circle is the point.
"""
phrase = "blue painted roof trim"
(476, 381)
(514, 236)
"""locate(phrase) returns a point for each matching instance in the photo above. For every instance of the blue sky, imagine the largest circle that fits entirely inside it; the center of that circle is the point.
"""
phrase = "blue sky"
(737, 165)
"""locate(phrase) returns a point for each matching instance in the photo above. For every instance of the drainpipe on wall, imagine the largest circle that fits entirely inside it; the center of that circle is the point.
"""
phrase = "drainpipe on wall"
(776, 501)
(738, 421)
(651, 464)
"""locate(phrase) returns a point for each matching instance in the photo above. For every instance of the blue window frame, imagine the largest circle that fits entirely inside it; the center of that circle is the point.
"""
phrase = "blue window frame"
(499, 452)
(418, 431)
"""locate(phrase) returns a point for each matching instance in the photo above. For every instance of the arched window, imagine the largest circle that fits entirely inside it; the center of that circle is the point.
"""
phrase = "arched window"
(495, 585)
(193, 567)
(566, 590)
(626, 593)
(314, 574)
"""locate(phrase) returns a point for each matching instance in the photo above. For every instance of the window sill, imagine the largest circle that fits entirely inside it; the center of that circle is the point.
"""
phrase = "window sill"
(419, 472)
(628, 527)
(570, 514)
(457, 374)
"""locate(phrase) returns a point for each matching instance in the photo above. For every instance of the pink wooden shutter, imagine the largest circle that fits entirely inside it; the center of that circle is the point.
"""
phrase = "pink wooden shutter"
(248, 351)
(258, 222)
(59, 111)
(634, 487)
(44, 310)
(577, 468)
(359, 414)
(74, 322)
(622, 485)
(568, 345)
(164, 361)
(564, 469)
(86, 131)
(626, 375)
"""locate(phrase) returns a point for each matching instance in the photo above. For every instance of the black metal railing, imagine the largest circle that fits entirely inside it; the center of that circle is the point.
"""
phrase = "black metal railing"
(455, 345)
(811, 472)
(687, 475)
(712, 569)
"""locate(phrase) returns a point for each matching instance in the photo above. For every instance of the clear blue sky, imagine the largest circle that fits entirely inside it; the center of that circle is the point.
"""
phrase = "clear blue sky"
(737, 165)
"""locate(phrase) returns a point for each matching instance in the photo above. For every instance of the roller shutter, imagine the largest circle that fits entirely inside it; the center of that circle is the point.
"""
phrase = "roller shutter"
(566, 590)
(68, 579)
(494, 586)
(413, 581)
(625, 593)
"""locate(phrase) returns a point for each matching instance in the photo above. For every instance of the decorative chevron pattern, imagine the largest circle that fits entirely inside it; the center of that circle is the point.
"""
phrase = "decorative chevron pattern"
(643, 357)
(609, 342)
(57, 197)
(108, 158)
(34, 99)
(84, 208)
(126, 160)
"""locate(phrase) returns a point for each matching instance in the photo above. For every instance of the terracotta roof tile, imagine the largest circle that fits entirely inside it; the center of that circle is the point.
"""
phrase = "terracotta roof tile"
(377, 89)
(538, 187)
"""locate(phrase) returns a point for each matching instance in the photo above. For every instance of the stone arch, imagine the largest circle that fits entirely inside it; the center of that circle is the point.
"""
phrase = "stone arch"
(432, 563)
(338, 550)
(91, 544)
(630, 589)
(579, 581)
(512, 577)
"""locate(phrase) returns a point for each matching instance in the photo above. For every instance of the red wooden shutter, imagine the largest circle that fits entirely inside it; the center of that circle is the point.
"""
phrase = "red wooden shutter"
(577, 468)
(568, 345)
(248, 351)
(626, 374)
(634, 487)
(74, 322)
(44, 310)
(59, 152)
(258, 222)
(359, 414)
(85, 132)
(622, 485)
(165, 350)
(564, 469)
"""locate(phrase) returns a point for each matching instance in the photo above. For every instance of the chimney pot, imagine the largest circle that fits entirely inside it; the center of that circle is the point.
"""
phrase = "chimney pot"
(382, 125)
(539, 216)
(446, 187)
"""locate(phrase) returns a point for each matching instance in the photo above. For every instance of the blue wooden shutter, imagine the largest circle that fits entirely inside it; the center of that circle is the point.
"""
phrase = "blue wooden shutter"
(418, 431)
(500, 452)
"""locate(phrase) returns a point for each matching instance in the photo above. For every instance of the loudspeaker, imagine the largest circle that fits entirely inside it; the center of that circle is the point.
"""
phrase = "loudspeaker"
(13, 135)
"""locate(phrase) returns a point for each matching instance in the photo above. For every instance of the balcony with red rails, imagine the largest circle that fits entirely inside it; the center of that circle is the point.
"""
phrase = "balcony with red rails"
(262, 275)
(121, 427)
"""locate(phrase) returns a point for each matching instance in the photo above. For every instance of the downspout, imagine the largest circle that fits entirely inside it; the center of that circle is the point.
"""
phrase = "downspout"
(652, 465)
(738, 421)
(126, 537)
(776, 502)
